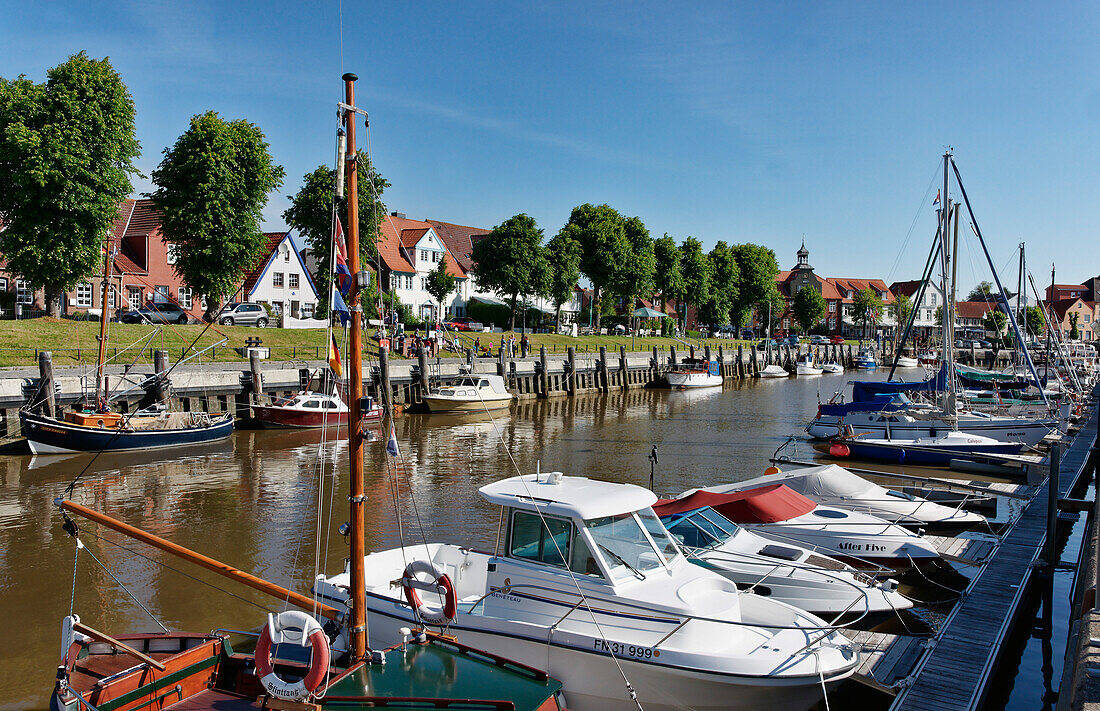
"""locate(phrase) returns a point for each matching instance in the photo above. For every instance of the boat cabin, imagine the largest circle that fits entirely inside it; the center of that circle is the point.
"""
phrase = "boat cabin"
(312, 402)
(471, 385)
(601, 530)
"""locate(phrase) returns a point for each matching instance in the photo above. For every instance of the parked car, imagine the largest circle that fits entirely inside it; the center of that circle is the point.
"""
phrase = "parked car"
(464, 323)
(747, 333)
(156, 313)
(819, 341)
(243, 314)
(764, 344)
(837, 340)
(792, 340)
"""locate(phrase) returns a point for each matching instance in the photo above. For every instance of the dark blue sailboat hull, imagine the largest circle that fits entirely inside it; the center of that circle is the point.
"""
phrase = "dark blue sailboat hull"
(46, 435)
(940, 456)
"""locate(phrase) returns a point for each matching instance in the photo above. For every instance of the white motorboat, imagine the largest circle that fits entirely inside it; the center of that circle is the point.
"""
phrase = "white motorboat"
(778, 512)
(695, 373)
(807, 366)
(907, 362)
(865, 359)
(785, 572)
(833, 485)
(470, 393)
(832, 367)
(774, 371)
(584, 570)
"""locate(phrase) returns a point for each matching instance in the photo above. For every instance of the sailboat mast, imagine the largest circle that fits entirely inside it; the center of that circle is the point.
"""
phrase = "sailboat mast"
(101, 361)
(358, 631)
(948, 289)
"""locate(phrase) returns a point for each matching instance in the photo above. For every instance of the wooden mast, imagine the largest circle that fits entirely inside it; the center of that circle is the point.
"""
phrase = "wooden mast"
(358, 624)
(103, 317)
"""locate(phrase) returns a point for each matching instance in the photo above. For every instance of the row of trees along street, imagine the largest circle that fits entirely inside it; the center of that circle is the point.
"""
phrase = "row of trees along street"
(67, 154)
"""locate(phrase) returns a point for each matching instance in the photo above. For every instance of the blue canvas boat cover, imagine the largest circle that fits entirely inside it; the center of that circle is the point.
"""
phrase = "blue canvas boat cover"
(865, 391)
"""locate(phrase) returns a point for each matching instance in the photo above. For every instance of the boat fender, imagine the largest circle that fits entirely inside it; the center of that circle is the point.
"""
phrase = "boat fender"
(772, 470)
(440, 583)
(292, 626)
(839, 450)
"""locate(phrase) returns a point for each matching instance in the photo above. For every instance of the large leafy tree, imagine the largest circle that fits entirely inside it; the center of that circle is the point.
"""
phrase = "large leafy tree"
(634, 276)
(982, 291)
(439, 283)
(902, 308)
(564, 255)
(668, 277)
(995, 321)
(1074, 332)
(698, 274)
(511, 260)
(724, 284)
(211, 187)
(310, 213)
(757, 269)
(66, 156)
(808, 307)
(1033, 318)
(601, 233)
(866, 307)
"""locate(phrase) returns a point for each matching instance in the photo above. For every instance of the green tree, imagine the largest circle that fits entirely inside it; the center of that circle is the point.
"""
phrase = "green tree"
(211, 188)
(982, 292)
(995, 321)
(66, 156)
(772, 302)
(669, 277)
(809, 307)
(511, 260)
(866, 307)
(601, 233)
(757, 269)
(938, 317)
(439, 283)
(698, 273)
(1074, 332)
(634, 276)
(903, 309)
(564, 255)
(310, 213)
(1034, 320)
(724, 284)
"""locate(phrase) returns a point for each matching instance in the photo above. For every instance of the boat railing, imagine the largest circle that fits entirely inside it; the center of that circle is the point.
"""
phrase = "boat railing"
(588, 602)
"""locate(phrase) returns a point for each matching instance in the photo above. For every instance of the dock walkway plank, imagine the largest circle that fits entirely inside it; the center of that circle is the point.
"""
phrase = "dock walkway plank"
(953, 673)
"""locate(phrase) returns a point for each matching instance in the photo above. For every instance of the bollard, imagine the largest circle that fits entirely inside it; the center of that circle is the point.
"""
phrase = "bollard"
(45, 383)
(571, 363)
(624, 373)
(603, 369)
(1052, 506)
(257, 376)
(470, 359)
(691, 352)
(754, 366)
(160, 368)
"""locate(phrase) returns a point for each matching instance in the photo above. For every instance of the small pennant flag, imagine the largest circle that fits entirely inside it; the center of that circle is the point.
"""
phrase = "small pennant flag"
(391, 445)
(934, 202)
(334, 355)
(343, 274)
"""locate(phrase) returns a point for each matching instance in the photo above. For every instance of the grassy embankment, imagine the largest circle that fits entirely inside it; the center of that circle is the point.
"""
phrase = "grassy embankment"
(74, 342)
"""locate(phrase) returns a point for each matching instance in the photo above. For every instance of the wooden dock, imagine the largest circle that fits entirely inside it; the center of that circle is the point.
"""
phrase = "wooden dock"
(955, 669)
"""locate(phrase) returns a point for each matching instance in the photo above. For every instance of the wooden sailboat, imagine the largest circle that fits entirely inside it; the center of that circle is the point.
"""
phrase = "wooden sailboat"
(95, 428)
(290, 663)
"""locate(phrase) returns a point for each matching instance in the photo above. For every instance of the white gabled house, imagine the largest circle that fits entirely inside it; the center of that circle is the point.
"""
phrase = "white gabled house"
(281, 279)
(410, 251)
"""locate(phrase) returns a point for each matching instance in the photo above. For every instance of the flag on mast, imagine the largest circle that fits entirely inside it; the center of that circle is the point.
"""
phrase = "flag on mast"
(391, 445)
(343, 274)
(334, 355)
(937, 200)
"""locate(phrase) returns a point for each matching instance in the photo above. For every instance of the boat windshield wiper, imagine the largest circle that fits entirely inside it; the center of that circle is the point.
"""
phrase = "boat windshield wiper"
(637, 573)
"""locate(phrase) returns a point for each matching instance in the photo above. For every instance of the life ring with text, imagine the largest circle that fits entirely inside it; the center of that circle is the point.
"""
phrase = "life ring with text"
(292, 627)
(439, 583)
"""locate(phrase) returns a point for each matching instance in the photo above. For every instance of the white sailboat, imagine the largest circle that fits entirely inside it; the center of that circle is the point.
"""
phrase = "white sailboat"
(807, 366)
(585, 580)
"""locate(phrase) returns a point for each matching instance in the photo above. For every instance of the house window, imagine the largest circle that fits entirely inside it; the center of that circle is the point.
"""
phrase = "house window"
(786, 324)
(277, 280)
(185, 297)
(933, 299)
(435, 256)
(23, 292)
(832, 307)
(307, 310)
(424, 255)
(408, 281)
(160, 294)
(286, 253)
(84, 295)
(3, 283)
(133, 296)
(1086, 318)
(293, 281)
(171, 252)
(111, 296)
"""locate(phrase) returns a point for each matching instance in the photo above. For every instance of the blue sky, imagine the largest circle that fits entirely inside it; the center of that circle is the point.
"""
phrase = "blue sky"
(738, 121)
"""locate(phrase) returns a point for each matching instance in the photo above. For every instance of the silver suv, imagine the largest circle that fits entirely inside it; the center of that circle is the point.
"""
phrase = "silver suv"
(243, 314)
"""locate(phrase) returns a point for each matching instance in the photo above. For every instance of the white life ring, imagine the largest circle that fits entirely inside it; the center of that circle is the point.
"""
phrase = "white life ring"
(292, 626)
(440, 583)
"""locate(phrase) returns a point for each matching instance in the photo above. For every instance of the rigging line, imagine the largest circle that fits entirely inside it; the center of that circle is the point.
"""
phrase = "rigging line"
(127, 591)
(177, 570)
(913, 224)
(76, 559)
(584, 598)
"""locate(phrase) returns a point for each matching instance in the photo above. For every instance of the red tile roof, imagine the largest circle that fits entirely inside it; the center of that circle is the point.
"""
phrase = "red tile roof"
(460, 240)
(274, 239)
(974, 309)
(145, 220)
(398, 238)
(410, 237)
(1061, 306)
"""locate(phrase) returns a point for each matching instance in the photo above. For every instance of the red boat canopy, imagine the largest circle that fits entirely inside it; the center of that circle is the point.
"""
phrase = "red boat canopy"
(766, 504)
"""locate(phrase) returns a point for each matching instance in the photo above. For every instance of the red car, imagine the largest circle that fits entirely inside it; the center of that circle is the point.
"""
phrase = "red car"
(837, 339)
(464, 323)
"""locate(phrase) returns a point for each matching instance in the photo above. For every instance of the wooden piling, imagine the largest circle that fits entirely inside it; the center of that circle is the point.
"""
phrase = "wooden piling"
(672, 357)
(385, 392)
(257, 376)
(422, 363)
(160, 369)
(46, 384)
(754, 365)
(1051, 551)
(603, 369)
(571, 363)
(624, 372)
(544, 377)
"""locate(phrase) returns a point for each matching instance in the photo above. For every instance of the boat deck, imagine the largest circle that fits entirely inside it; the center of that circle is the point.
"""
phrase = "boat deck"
(886, 660)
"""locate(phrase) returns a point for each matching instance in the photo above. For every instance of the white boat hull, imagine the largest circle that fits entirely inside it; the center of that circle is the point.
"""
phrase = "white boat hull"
(694, 380)
(1030, 431)
(442, 403)
(774, 371)
(809, 370)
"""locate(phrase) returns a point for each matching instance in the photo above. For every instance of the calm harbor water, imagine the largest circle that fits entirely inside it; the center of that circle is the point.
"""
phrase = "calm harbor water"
(252, 502)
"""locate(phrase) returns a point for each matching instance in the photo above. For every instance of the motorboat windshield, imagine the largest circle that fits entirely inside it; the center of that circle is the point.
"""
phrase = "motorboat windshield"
(701, 528)
(632, 543)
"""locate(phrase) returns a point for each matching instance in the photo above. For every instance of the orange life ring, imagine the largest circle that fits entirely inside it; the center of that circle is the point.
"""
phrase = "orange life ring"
(292, 626)
(440, 583)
